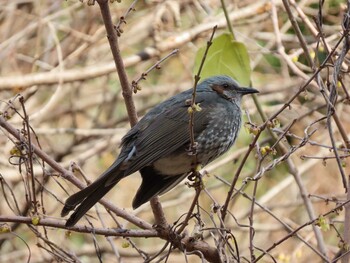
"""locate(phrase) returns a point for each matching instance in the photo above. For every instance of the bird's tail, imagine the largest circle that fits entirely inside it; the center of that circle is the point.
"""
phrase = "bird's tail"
(89, 196)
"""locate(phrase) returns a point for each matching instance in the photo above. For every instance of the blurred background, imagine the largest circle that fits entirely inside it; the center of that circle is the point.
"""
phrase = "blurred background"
(56, 55)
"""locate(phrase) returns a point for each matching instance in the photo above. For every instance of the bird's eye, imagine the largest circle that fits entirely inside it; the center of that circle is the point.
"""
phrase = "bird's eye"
(225, 86)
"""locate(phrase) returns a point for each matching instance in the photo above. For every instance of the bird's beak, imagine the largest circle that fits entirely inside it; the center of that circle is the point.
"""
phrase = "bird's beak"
(247, 90)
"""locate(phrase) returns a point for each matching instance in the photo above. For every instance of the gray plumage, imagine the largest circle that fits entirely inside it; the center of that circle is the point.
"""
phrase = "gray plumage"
(158, 144)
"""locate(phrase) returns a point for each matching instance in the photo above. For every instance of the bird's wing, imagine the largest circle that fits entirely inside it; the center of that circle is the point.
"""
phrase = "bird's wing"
(165, 134)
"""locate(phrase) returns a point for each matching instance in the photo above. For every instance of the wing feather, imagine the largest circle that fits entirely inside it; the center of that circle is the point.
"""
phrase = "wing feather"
(166, 132)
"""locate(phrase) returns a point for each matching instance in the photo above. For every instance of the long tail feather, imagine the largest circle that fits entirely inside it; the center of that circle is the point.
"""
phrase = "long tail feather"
(87, 203)
(90, 195)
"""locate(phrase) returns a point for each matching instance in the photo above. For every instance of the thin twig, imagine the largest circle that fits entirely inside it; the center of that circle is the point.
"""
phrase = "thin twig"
(30, 155)
(197, 77)
(124, 82)
(174, 41)
(193, 144)
(190, 210)
(135, 83)
(292, 233)
(298, 33)
(192, 150)
(264, 125)
(71, 178)
(227, 17)
(333, 96)
(82, 229)
(122, 19)
(119, 64)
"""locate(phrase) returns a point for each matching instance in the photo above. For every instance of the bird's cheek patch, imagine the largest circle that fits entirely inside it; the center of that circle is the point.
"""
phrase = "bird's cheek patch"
(218, 89)
(221, 91)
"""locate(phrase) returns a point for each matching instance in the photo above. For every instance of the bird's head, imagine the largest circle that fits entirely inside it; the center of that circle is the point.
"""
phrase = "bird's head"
(227, 88)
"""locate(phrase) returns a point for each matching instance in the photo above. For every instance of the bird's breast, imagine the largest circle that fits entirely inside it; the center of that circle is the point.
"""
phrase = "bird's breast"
(213, 141)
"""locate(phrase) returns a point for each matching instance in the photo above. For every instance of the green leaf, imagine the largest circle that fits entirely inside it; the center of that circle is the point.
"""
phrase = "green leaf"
(225, 57)
(322, 223)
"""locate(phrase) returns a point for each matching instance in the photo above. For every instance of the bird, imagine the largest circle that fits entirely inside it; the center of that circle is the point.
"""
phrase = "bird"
(158, 145)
